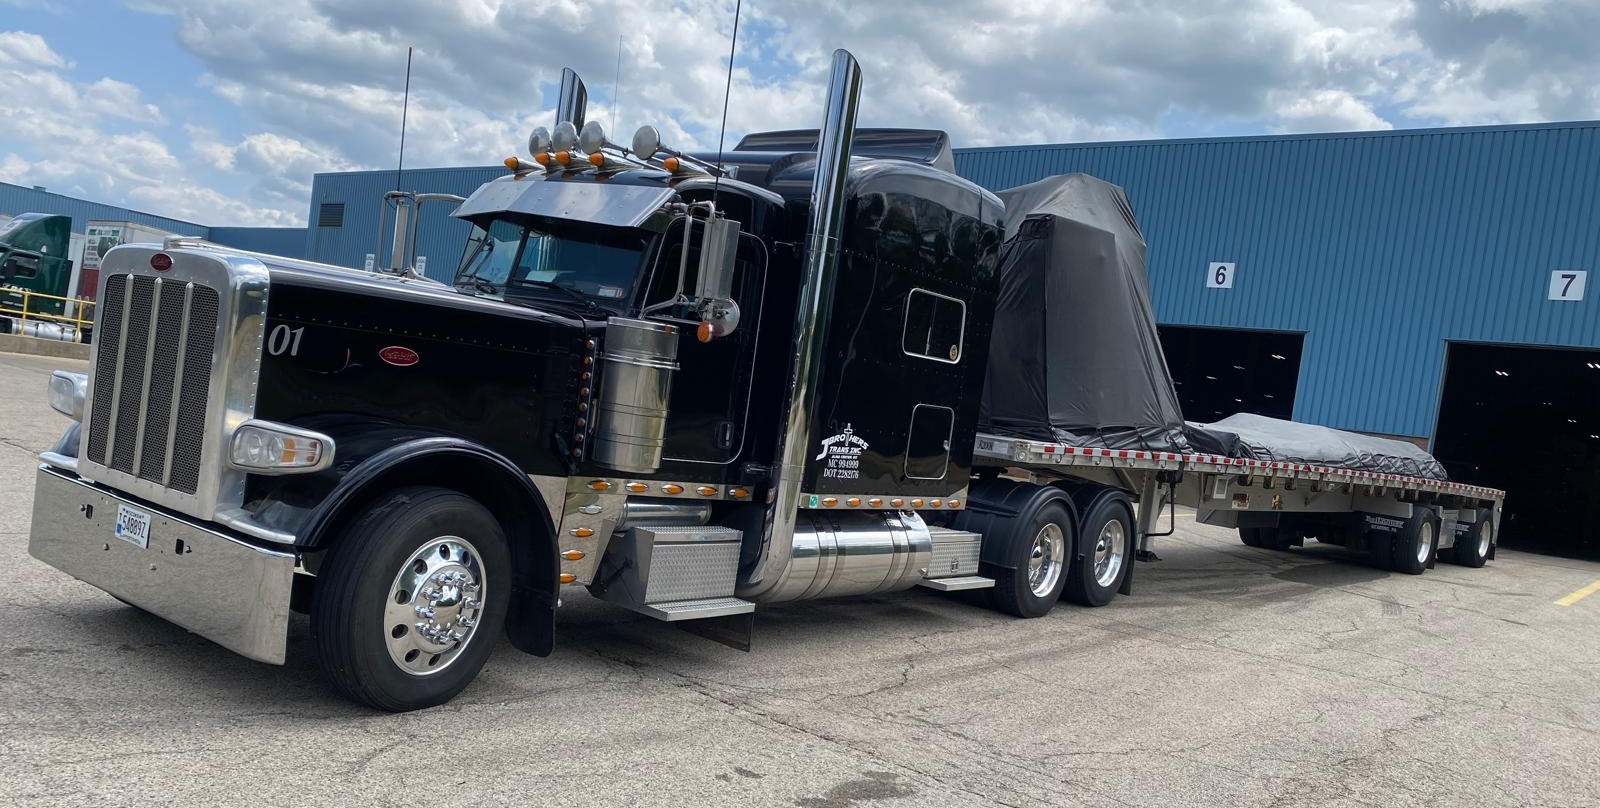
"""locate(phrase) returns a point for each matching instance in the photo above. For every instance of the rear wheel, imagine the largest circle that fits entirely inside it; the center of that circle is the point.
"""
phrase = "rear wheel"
(1413, 548)
(1472, 545)
(1107, 551)
(411, 599)
(1038, 552)
(1267, 538)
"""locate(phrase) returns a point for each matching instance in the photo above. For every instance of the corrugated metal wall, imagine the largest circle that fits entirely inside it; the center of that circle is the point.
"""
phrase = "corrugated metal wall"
(440, 238)
(1380, 247)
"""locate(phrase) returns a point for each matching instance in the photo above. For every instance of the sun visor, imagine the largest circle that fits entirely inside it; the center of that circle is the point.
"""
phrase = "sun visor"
(592, 203)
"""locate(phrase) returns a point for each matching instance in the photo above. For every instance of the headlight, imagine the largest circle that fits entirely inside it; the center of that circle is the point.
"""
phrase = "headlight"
(263, 447)
(66, 393)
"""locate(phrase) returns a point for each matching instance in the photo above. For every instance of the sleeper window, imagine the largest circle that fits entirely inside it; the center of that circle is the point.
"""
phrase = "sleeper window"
(933, 327)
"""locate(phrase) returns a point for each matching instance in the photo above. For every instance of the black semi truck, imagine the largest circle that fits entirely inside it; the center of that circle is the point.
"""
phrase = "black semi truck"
(690, 386)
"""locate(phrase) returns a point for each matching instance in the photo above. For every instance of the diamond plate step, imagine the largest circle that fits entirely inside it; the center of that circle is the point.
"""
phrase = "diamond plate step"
(957, 584)
(695, 609)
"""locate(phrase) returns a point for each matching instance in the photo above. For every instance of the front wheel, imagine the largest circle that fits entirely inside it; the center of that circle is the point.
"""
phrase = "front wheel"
(1107, 551)
(411, 598)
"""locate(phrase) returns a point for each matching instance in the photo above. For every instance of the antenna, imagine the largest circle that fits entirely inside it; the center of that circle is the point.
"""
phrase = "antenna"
(616, 86)
(405, 108)
(727, 89)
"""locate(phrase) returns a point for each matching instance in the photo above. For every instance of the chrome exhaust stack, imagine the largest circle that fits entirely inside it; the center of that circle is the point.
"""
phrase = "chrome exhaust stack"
(635, 389)
(765, 581)
(572, 100)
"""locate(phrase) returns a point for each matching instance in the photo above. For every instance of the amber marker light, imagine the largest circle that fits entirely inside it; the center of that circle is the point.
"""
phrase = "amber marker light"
(955, 503)
(672, 488)
(562, 158)
(513, 163)
(705, 332)
(706, 491)
(637, 488)
(542, 158)
(671, 164)
(829, 502)
(573, 555)
(897, 502)
(938, 503)
(567, 577)
(739, 493)
(876, 502)
(600, 485)
(916, 503)
(583, 532)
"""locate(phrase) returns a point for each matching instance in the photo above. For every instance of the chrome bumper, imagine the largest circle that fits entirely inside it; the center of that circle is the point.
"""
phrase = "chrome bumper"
(227, 590)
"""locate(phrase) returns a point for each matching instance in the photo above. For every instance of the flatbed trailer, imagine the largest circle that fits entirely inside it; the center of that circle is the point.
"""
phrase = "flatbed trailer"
(1294, 500)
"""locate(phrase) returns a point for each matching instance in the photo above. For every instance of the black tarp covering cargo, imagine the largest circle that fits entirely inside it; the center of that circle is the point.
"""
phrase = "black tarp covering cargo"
(1075, 357)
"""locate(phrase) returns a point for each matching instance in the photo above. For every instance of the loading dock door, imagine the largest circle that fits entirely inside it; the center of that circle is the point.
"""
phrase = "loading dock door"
(1222, 371)
(1527, 420)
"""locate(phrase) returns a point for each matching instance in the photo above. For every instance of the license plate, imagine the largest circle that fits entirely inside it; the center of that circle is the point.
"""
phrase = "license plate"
(133, 526)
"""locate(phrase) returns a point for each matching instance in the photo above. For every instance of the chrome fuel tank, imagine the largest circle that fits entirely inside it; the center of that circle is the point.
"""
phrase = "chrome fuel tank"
(635, 386)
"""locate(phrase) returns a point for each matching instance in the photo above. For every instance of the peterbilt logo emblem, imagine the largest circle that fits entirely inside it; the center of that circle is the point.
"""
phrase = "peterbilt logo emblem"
(399, 356)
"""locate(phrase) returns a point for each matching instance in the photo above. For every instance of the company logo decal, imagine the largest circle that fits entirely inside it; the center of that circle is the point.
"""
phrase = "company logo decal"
(843, 455)
(399, 356)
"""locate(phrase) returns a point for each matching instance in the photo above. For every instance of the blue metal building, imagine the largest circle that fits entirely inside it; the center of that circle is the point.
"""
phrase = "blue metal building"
(1380, 248)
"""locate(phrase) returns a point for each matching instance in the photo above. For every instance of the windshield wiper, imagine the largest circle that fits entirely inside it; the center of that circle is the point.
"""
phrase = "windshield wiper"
(573, 294)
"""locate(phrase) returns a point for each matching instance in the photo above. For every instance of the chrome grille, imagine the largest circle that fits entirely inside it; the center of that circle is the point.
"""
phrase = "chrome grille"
(152, 379)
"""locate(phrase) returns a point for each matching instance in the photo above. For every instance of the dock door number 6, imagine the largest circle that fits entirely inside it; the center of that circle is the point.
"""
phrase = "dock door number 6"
(284, 340)
(1219, 275)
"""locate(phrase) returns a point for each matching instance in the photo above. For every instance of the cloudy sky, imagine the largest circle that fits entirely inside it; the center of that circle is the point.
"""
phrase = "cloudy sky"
(219, 111)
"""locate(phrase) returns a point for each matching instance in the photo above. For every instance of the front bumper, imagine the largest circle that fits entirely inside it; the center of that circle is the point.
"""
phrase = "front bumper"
(223, 588)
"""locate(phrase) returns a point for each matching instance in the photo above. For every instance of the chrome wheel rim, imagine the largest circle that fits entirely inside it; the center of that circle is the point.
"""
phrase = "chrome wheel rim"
(1046, 559)
(1109, 550)
(434, 607)
(1485, 538)
(1424, 542)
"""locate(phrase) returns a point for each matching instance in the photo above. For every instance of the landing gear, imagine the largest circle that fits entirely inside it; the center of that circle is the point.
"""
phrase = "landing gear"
(411, 599)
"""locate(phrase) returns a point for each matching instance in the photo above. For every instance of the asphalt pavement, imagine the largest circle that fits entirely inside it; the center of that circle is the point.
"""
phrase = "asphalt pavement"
(1233, 677)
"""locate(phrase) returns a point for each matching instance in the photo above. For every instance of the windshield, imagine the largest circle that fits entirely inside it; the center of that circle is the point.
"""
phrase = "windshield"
(510, 258)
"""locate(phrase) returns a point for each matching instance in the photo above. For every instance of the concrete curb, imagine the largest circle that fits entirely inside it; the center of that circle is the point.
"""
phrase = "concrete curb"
(12, 343)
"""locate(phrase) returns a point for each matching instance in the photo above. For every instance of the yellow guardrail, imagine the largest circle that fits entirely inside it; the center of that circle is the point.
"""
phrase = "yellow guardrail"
(82, 310)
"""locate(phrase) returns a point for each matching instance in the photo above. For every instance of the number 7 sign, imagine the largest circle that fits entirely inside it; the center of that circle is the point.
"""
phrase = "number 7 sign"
(1567, 284)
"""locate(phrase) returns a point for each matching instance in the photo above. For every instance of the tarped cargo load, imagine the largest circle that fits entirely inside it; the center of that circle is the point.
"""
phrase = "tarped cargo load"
(1263, 438)
(1075, 357)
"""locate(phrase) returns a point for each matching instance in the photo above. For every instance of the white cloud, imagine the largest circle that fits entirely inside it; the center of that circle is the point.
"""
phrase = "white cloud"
(1326, 111)
(23, 49)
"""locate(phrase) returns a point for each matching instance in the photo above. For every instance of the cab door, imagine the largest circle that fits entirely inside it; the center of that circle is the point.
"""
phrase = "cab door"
(708, 419)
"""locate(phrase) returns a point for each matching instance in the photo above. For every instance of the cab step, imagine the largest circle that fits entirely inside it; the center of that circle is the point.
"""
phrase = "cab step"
(697, 609)
(957, 584)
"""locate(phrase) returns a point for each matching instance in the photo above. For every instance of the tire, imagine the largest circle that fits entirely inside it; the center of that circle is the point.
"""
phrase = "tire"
(1266, 538)
(1107, 553)
(1415, 546)
(1039, 549)
(414, 548)
(1472, 545)
(1253, 536)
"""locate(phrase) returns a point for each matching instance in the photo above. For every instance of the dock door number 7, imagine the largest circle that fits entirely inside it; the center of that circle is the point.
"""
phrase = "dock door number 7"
(1219, 275)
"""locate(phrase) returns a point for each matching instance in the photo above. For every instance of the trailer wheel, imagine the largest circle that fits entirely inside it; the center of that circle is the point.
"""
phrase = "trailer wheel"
(1472, 547)
(1414, 547)
(1107, 552)
(1039, 549)
(411, 599)
(1267, 538)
